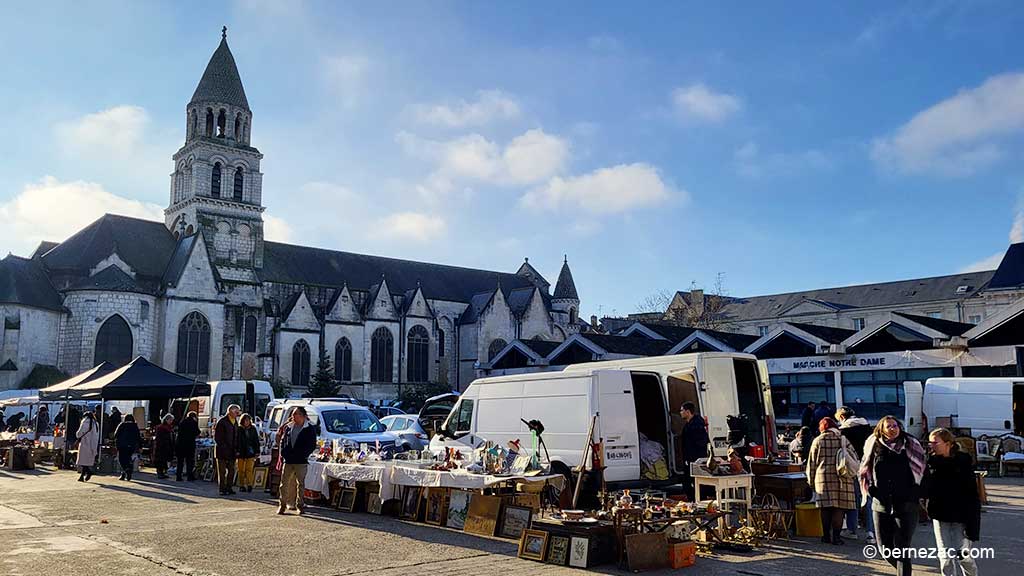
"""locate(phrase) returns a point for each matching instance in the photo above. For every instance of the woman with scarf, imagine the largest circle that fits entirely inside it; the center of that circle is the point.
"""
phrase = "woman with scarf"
(891, 473)
(834, 490)
(953, 504)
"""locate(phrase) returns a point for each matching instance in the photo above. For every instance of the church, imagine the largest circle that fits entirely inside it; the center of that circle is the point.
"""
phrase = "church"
(205, 295)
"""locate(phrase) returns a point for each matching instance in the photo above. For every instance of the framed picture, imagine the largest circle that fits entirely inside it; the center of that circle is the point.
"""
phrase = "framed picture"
(529, 499)
(982, 448)
(514, 521)
(346, 499)
(558, 550)
(458, 509)
(260, 476)
(579, 549)
(436, 506)
(482, 518)
(533, 545)
(411, 502)
(373, 503)
(336, 498)
(208, 471)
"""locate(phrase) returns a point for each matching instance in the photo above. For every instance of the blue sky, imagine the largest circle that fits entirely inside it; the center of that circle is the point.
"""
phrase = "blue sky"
(788, 146)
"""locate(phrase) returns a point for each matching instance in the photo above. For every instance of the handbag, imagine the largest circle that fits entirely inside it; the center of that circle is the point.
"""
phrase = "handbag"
(847, 465)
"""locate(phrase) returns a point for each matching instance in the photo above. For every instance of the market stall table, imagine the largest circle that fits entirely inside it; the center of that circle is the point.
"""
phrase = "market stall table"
(790, 487)
(319, 475)
(403, 475)
(730, 490)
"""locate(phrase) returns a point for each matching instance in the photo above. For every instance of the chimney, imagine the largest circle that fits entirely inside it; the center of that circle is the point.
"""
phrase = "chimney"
(593, 321)
(697, 301)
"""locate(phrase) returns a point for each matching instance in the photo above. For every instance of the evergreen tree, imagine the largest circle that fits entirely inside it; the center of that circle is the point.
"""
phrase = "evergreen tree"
(323, 384)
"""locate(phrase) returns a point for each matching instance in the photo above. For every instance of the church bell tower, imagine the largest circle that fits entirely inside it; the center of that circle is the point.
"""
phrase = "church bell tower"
(217, 186)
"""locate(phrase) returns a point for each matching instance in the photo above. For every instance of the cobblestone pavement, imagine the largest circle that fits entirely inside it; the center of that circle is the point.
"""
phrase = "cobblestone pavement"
(50, 523)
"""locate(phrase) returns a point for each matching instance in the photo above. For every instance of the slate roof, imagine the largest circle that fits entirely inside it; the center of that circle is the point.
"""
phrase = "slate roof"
(290, 264)
(1010, 273)
(736, 341)
(114, 279)
(826, 333)
(674, 334)
(947, 327)
(221, 82)
(635, 345)
(179, 259)
(145, 245)
(24, 281)
(565, 287)
(541, 347)
(8, 366)
(43, 248)
(902, 292)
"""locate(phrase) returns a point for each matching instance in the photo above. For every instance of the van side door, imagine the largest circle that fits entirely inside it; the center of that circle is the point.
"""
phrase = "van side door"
(616, 425)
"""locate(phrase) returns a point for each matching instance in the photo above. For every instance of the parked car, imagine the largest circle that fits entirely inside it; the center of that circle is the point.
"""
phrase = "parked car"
(384, 411)
(336, 420)
(411, 436)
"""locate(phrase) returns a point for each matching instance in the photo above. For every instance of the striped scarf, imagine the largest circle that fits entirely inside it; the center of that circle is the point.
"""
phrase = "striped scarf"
(915, 453)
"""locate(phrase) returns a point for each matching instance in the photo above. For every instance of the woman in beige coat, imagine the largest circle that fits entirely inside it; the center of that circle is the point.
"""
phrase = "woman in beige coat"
(835, 493)
(88, 446)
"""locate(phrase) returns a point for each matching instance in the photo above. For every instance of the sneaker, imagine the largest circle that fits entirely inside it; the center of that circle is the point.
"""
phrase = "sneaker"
(871, 538)
(280, 509)
(849, 534)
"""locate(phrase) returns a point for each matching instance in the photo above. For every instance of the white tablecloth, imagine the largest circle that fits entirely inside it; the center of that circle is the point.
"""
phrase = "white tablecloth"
(318, 474)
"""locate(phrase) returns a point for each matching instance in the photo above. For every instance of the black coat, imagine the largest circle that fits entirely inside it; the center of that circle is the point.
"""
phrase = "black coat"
(303, 447)
(225, 436)
(188, 431)
(127, 437)
(695, 440)
(952, 492)
(807, 419)
(894, 489)
(857, 435)
(248, 442)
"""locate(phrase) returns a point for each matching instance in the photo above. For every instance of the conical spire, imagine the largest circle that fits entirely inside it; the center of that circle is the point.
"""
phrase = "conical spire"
(221, 82)
(565, 288)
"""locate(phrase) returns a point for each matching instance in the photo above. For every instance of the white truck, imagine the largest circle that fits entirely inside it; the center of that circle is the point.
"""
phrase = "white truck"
(631, 397)
(224, 393)
(992, 406)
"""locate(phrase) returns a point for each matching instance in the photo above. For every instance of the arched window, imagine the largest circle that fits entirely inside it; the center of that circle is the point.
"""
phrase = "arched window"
(194, 346)
(209, 122)
(343, 360)
(215, 181)
(238, 127)
(440, 343)
(382, 355)
(572, 316)
(238, 184)
(193, 125)
(245, 132)
(222, 123)
(496, 346)
(114, 342)
(417, 365)
(300, 364)
(249, 334)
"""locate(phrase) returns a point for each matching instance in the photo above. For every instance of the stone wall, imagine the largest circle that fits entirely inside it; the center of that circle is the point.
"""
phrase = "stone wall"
(28, 336)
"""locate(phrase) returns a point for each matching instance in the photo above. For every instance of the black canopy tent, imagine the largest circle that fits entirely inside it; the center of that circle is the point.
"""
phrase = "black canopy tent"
(66, 390)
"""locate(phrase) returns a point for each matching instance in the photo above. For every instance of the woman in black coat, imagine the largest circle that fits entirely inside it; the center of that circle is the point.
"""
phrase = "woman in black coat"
(248, 450)
(953, 503)
(128, 440)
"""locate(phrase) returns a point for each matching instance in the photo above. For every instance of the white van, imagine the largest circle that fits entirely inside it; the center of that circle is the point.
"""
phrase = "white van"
(224, 393)
(992, 406)
(334, 420)
(630, 397)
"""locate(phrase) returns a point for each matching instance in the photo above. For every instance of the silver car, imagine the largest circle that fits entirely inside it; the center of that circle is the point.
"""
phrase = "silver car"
(411, 435)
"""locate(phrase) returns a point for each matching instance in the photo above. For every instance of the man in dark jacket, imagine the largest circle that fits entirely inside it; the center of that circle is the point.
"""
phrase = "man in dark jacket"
(128, 440)
(185, 447)
(807, 418)
(695, 434)
(113, 421)
(225, 435)
(822, 411)
(297, 440)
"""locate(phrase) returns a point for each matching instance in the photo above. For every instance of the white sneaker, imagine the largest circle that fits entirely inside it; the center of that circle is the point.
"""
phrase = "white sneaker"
(871, 538)
(848, 534)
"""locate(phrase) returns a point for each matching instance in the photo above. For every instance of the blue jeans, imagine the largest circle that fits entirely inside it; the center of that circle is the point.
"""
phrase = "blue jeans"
(851, 515)
(950, 536)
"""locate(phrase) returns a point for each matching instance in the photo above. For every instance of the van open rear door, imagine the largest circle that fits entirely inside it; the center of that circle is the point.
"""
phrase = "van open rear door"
(770, 438)
(616, 425)
(913, 395)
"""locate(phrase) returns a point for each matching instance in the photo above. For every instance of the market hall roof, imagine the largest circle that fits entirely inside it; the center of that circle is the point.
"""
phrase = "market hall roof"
(221, 82)
(24, 281)
(290, 264)
(1010, 273)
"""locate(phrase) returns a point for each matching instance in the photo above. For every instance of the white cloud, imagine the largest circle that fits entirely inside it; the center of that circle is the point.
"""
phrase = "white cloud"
(53, 210)
(605, 191)
(990, 263)
(698, 102)
(276, 229)
(489, 106)
(1016, 236)
(346, 76)
(116, 131)
(529, 158)
(960, 135)
(751, 163)
(413, 226)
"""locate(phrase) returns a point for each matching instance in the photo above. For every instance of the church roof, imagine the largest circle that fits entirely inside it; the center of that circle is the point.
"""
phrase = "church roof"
(1010, 273)
(114, 279)
(144, 245)
(290, 264)
(24, 281)
(220, 82)
(565, 287)
(43, 248)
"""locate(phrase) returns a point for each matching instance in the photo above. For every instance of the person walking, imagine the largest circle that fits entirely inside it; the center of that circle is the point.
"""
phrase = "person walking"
(113, 421)
(248, 450)
(128, 441)
(88, 436)
(807, 418)
(225, 435)
(163, 445)
(185, 447)
(800, 447)
(856, 430)
(891, 473)
(834, 489)
(951, 492)
(298, 440)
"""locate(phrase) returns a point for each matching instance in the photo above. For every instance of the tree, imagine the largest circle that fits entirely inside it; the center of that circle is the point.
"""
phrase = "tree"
(323, 384)
(413, 396)
(281, 388)
(42, 376)
(695, 309)
(658, 302)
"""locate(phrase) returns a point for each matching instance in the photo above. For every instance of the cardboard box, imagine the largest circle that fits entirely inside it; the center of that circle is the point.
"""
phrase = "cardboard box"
(682, 554)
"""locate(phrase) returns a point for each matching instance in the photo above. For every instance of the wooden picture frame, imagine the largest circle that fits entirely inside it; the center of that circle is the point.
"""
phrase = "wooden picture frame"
(336, 498)
(458, 509)
(579, 551)
(259, 476)
(346, 499)
(482, 518)
(435, 507)
(533, 545)
(514, 521)
(558, 550)
(529, 499)
(208, 472)
(411, 496)
(374, 504)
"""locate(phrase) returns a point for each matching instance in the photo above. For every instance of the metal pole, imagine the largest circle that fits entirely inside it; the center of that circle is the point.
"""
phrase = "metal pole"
(99, 447)
(67, 435)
